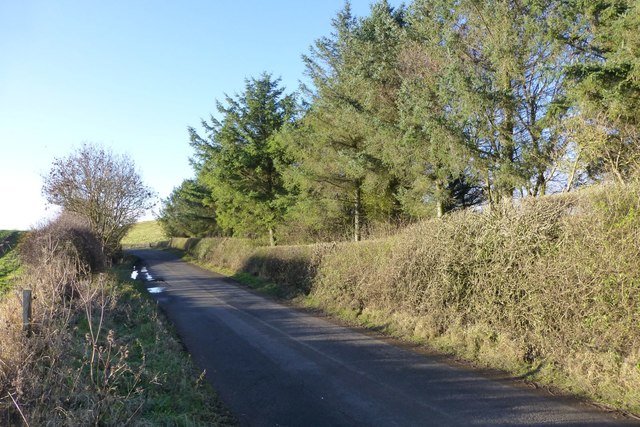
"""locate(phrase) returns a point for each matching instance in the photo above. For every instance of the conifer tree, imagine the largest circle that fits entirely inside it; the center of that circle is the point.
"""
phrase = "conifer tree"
(189, 212)
(504, 65)
(240, 161)
(433, 150)
(607, 89)
(336, 155)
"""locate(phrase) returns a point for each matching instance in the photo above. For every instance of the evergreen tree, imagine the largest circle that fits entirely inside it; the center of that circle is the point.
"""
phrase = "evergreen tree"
(607, 90)
(336, 156)
(433, 151)
(416, 111)
(503, 64)
(240, 161)
(188, 212)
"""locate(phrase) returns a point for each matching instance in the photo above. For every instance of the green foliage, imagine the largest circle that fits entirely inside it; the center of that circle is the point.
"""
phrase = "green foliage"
(9, 260)
(336, 144)
(189, 212)
(500, 70)
(417, 111)
(434, 151)
(240, 161)
(607, 89)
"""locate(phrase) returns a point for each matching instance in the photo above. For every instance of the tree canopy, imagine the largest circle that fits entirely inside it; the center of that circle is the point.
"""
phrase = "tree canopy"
(189, 212)
(240, 161)
(416, 111)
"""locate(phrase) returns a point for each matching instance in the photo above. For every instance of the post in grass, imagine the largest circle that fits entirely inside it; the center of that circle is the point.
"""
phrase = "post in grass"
(26, 311)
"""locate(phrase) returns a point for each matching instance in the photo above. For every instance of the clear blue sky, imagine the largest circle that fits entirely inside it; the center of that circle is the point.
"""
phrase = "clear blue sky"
(132, 75)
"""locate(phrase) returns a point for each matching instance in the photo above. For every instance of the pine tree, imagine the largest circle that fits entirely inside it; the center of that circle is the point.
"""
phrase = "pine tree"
(503, 64)
(188, 212)
(240, 161)
(432, 152)
(607, 86)
(335, 152)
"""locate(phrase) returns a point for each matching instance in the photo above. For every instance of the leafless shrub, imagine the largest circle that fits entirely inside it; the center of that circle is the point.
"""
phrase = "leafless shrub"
(103, 188)
(69, 236)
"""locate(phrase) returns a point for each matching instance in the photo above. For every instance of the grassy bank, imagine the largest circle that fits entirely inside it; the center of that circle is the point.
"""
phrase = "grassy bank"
(549, 289)
(100, 352)
(9, 263)
(143, 234)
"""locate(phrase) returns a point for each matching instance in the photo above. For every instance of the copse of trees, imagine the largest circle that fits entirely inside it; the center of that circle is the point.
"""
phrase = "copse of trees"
(415, 111)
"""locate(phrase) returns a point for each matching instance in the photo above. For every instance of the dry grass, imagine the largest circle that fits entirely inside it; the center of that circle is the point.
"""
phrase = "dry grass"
(550, 288)
(99, 352)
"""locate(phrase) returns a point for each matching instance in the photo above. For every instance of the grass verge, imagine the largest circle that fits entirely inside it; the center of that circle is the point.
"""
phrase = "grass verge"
(177, 394)
(99, 352)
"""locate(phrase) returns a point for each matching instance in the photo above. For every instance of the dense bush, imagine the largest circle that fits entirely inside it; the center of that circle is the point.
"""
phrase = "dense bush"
(70, 237)
(550, 286)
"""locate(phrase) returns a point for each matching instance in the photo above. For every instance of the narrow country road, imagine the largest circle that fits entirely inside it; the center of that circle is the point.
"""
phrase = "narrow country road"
(277, 366)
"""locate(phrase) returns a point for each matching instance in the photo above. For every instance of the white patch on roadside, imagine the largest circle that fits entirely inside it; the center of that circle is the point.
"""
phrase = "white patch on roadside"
(134, 274)
(156, 290)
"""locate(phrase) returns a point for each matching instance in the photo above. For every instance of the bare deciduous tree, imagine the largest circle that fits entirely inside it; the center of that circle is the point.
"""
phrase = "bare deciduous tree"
(101, 186)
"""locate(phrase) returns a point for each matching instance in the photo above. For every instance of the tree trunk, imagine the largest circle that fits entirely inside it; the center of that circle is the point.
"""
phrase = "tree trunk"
(572, 175)
(272, 240)
(487, 184)
(541, 185)
(508, 144)
(356, 214)
(439, 201)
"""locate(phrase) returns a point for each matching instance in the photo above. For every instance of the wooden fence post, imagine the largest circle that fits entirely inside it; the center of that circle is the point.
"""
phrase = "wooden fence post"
(26, 311)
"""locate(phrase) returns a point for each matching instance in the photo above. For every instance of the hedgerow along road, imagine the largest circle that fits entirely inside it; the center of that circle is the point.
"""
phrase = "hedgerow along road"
(274, 365)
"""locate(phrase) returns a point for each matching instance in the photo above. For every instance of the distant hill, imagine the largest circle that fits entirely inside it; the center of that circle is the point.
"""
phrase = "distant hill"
(143, 233)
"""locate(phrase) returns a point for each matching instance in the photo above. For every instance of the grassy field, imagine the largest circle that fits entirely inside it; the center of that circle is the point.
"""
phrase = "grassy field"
(9, 263)
(144, 233)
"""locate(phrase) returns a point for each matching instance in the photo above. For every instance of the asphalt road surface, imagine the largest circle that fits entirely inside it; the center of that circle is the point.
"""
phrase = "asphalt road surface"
(277, 366)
